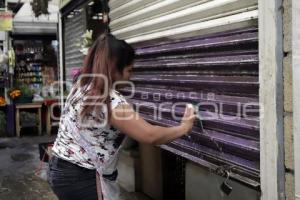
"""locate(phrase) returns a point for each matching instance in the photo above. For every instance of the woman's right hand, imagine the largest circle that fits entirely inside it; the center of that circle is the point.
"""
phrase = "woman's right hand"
(131, 124)
(188, 118)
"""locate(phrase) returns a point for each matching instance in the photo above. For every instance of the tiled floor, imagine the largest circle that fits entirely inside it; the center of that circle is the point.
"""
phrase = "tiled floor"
(19, 161)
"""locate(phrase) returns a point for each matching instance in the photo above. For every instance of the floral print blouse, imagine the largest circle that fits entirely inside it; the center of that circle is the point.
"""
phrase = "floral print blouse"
(104, 140)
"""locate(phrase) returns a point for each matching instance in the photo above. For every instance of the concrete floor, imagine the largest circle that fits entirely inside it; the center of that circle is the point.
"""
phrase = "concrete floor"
(19, 162)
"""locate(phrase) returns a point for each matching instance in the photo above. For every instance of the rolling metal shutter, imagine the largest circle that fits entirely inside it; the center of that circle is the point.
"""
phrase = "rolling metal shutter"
(74, 28)
(200, 52)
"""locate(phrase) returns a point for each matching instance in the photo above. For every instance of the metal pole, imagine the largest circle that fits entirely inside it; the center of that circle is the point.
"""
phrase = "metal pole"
(61, 67)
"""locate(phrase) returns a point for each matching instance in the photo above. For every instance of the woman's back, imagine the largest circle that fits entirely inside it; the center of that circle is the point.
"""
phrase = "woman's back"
(104, 138)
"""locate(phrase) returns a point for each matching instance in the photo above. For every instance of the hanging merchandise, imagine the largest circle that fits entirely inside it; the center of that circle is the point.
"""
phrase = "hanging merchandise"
(3, 60)
(86, 41)
(11, 57)
(39, 7)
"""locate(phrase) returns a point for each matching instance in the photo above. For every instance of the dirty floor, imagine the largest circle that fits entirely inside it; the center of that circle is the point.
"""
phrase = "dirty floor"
(20, 177)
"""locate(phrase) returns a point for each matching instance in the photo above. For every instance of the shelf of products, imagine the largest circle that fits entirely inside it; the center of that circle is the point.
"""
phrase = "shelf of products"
(35, 65)
(32, 73)
(29, 57)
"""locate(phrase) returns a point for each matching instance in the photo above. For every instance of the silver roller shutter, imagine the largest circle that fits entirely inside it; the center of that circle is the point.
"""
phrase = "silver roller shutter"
(141, 20)
(74, 28)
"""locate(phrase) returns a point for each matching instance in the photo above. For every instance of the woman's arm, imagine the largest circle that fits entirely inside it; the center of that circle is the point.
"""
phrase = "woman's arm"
(129, 122)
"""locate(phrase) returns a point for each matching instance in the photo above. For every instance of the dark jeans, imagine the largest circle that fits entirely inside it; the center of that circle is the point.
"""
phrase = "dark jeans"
(71, 182)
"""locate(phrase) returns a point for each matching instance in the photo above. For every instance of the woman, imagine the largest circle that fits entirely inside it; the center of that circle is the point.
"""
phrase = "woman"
(85, 144)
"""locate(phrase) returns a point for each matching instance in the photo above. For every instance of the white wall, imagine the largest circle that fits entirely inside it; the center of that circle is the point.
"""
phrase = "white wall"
(272, 169)
(296, 85)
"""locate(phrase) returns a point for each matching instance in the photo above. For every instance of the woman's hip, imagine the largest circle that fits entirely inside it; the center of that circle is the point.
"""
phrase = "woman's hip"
(64, 172)
(69, 181)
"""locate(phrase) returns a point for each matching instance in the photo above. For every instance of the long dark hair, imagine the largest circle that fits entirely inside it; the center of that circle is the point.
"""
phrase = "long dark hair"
(106, 56)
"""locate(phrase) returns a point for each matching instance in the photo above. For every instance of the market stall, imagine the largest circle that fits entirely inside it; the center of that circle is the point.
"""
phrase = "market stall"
(35, 74)
(33, 68)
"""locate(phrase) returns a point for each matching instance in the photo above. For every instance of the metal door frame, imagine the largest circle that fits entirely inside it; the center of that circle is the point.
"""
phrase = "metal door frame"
(271, 99)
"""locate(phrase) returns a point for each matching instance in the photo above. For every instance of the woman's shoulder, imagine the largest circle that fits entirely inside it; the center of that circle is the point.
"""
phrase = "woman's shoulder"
(115, 93)
(116, 98)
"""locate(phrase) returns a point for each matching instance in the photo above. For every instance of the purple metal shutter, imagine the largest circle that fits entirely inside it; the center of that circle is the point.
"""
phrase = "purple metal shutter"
(219, 69)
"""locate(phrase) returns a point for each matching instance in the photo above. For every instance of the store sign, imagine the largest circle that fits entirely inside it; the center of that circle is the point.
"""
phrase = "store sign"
(6, 19)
